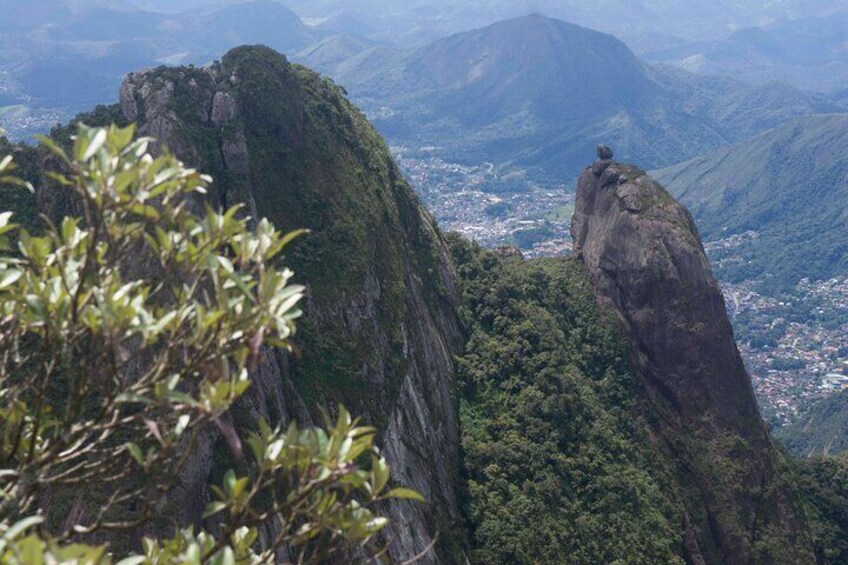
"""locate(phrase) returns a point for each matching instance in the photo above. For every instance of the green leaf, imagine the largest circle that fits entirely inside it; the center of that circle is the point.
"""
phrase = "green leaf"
(130, 397)
(405, 493)
(53, 147)
(121, 137)
(134, 560)
(136, 453)
(213, 508)
(8, 278)
(145, 211)
(224, 557)
(230, 480)
(182, 424)
(381, 472)
(18, 528)
(95, 145)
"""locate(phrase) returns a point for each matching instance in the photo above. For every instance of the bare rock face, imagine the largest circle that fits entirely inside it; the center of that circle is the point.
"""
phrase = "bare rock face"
(645, 256)
(152, 101)
(223, 108)
(381, 329)
(647, 263)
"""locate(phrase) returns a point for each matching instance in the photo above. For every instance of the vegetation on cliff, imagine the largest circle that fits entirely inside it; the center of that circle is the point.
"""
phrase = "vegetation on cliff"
(824, 482)
(299, 151)
(114, 371)
(380, 327)
(557, 461)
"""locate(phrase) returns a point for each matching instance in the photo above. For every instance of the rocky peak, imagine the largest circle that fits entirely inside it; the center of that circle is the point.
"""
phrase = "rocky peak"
(381, 327)
(646, 262)
(645, 256)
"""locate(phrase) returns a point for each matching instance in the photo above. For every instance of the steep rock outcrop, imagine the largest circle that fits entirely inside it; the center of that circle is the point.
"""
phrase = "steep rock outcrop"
(646, 261)
(380, 329)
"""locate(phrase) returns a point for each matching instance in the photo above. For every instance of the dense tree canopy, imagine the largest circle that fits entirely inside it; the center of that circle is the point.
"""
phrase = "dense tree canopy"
(558, 464)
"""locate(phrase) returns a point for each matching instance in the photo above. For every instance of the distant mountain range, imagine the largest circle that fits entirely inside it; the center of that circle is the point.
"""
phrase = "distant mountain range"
(61, 56)
(536, 94)
(790, 185)
(69, 55)
(808, 52)
(644, 24)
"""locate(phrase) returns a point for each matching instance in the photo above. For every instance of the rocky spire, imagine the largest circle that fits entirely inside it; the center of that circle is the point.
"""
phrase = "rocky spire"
(646, 262)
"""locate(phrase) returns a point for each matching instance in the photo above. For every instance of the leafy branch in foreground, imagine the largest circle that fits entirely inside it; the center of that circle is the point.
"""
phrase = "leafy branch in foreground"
(125, 336)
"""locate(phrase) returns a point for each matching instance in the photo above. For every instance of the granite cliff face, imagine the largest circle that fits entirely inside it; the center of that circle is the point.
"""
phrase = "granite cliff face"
(380, 329)
(646, 261)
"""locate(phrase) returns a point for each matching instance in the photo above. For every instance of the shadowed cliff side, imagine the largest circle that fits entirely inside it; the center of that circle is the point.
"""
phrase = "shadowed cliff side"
(645, 260)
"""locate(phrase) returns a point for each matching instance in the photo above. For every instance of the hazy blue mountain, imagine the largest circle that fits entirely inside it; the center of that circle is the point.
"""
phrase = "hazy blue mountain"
(22, 15)
(801, 42)
(73, 54)
(841, 98)
(536, 94)
(339, 51)
(267, 22)
(790, 185)
(348, 23)
(108, 24)
(176, 6)
(650, 24)
(810, 52)
(58, 57)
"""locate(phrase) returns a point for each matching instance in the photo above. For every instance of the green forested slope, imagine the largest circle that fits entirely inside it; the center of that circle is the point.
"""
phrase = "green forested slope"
(824, 483)
(790, 185)
(823, 430)
(558, 463)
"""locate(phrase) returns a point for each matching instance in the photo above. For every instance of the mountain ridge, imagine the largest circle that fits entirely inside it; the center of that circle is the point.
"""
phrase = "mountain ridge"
(487, 96)
(808, 52)
(788, 185)
(286, 144)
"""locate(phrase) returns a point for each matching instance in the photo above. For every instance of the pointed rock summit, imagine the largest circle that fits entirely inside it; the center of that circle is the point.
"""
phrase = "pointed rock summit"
(647, 263)
(604, 152)
(254, 113)
(603, 163)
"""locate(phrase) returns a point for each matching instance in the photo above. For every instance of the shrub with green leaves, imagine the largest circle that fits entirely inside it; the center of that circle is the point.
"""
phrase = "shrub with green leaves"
(126, 334)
